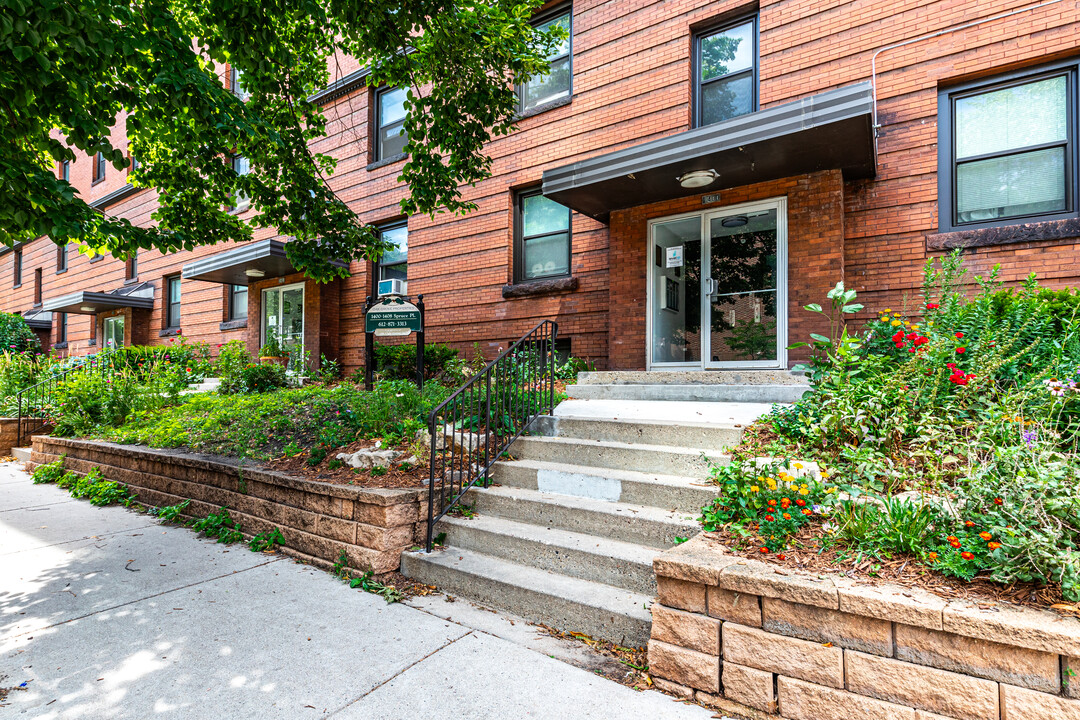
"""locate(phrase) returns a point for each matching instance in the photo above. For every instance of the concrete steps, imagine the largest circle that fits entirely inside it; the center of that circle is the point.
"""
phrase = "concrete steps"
(690, 393)
(588, 557)
(673, 492)
(616, 455)
(566, 603)
(22, 454)
(689, 434)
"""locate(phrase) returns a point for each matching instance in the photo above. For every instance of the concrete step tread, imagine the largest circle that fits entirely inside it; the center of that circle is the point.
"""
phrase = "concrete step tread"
(572, 502)
(557, 537)
(542, 582)
(614, 445)
(720, 414)
(692, 377)
(601, 472)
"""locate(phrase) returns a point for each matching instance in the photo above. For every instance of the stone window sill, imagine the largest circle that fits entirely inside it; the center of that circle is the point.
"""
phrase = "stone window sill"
(60, 345)
(1059, 230)
(169, 332)
(61, 272)
(540, 287)
(233, 324)
(387, 161)
(561, 102)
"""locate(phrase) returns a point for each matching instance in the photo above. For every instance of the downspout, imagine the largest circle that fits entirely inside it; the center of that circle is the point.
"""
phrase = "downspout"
(927, 36)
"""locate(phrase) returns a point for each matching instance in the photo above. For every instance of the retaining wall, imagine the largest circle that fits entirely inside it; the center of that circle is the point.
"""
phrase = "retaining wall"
(748, 636)
(318, 520)
(9, 433)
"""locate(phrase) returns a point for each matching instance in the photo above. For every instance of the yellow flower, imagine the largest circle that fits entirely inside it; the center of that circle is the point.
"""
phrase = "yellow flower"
(887, 310)
(804, 491)
(894, 323)
(915, 326)
(797, 466)
(760, 479)
(772, 484)
(896, 314)
(830, 491)
(824, 473)
(753, 488)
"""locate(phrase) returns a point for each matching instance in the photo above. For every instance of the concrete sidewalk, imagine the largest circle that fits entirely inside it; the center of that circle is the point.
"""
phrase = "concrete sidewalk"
(106, 614)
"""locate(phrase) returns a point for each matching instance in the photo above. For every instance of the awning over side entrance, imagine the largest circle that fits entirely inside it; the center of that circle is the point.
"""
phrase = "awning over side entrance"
(831, 130)
(85, 302)
(38, 319)
(242, 265)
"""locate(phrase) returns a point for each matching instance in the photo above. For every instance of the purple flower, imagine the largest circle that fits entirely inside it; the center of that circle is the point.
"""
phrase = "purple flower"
(1030, 436)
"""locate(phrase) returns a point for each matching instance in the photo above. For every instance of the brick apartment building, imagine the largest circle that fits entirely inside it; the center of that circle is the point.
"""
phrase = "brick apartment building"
(687, 178)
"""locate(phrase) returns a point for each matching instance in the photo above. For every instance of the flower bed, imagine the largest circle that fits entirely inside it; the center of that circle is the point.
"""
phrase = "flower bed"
(948, 442)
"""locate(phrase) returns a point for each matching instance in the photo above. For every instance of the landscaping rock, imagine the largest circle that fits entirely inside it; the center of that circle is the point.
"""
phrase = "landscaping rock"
(370, 457)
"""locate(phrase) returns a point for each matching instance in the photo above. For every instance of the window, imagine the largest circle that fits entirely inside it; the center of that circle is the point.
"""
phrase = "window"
(558, 82)
(1007, 150)
(62, 257)
(113, 332)
(132, 269)
(37, 286)
(235, 75)
(725, 72)
(65, 170)
(61, 328)
(172, 296)
(241, 166)
(541, 237)
(133, 162)
(394, 264)
(238, 302)
(99, 168)
(17, 268)
(390, 137)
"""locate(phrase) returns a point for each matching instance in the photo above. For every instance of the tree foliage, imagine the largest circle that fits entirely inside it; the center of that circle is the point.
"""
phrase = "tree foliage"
(71, 70)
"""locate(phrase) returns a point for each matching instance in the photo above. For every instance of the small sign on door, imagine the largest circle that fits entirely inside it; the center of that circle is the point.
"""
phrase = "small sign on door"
(674, 256)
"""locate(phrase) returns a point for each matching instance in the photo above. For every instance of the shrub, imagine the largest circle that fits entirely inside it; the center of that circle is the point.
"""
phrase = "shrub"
(219, 525)
(398, 362)
(232, 358)
(15, 335)
(262, 377)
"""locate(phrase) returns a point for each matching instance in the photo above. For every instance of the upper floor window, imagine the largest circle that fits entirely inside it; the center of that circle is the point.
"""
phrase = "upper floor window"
(541, 237)
(241, 166)
(394, 263)
(17, 268)
(37, 286)
(62, 257)
(238, 302)
(390, 137)
(133, 161)
(99, 168)
(1007, 150)
(64, 171)
(725, 72)
(557, 83)
(132, 267)
(172, 297)
(235, 76)
(61, 327)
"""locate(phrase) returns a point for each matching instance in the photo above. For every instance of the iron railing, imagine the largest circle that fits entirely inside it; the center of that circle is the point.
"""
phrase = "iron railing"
(473, 427)
(35, 403)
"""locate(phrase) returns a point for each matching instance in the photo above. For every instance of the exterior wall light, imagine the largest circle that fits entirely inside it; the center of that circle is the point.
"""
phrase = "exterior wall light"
(253, 273)
(698, 178)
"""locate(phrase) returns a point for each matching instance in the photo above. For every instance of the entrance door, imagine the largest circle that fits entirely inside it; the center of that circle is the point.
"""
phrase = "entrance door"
(113, 331)
(283, 315)
(717, 289)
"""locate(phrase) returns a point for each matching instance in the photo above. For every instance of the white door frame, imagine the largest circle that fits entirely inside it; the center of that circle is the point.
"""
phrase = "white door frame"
(780, 205)
(303, 310)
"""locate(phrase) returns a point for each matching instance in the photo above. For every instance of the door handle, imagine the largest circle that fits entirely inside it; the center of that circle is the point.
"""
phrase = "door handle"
(713, 286)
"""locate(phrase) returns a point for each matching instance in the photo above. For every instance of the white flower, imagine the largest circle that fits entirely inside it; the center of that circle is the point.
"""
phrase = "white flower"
(829, 528)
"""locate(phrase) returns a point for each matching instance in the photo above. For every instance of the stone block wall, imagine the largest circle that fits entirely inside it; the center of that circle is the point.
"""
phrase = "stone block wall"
(318, 520)
(752, 638)
(9, 433)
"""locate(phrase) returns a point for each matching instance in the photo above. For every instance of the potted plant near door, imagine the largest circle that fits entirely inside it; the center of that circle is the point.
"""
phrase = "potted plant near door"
(272, 351)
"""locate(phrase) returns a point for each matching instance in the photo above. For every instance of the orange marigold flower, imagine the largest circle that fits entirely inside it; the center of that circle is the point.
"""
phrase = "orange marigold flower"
(785, 503)
(993, 545)
(787, 516)
(985, 535)
(967, 555)
(807, 511)
(969, 523)
(763, 549)
(932, 557)
(800, 502)
(772, 502)
(951, 539)
(998, 501)
(781, 556)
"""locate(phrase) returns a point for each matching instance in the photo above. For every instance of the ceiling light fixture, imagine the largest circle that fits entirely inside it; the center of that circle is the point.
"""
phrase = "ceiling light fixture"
(253, 273)
(84, 308)
(698, 178)
(734, 221)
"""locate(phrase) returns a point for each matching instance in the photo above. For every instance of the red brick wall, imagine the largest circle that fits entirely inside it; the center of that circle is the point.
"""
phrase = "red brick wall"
(632, 83)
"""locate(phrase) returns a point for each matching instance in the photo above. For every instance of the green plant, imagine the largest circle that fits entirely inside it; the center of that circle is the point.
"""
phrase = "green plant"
(398, 362)
(834, 357)
(92, 486)
(366, 581)
(15, 335)
(49, 472)
(266, 541)
(329, 370)
(377, 470)
(232, 358)
(219, 525)
(263, 377)
(171, 513)
(273, 347)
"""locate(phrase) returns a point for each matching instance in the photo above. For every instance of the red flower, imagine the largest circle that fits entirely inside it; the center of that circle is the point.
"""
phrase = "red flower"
(785, 503)
(961, 350)
(772, 502)
(807, 511)
(959, 335)
(985, 535)
(951, 366)
(967, 556)
(800, 502)
(898, 337)
(770, 518)
(787, 516)
(998, 501)
(969, 523)
(932, 557)
(763, 550)
(932, 306)
(781, 556)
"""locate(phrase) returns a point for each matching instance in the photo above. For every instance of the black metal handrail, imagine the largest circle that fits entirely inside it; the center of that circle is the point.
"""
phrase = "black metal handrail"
(473, 427)
(35, 402)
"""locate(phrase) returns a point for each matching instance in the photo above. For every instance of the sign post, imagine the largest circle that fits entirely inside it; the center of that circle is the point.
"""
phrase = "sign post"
(393, 317)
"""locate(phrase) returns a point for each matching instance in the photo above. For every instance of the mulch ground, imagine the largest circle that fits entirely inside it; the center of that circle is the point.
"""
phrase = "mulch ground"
(395, 476)
(809, 551)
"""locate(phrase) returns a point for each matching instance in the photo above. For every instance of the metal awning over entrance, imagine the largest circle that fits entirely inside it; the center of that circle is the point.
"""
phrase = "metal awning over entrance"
(85, 302)
(38, 319)
(831, 130)
(242, 265)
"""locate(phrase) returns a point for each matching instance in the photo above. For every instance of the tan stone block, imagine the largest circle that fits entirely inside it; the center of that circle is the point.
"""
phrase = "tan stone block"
(378, 538)
(923, 715)
(700, 560)
(1013, 625)
(377, 561)
(800, 700)
(820, 625)
(337, 529)
(753, 688)
(1010, 664)
(891, 602)
(939, 691)
(679, 691)
(1023, 704)
(783, 655)
(680, 594)
(385, 515)
(342, 508)
(1070, 676)
(756, 578)
(733, 606)
(730, 708)
(685, 667)
(688, 630)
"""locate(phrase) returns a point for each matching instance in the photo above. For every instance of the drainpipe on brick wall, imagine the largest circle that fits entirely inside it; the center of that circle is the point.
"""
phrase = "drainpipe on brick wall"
(938, 33)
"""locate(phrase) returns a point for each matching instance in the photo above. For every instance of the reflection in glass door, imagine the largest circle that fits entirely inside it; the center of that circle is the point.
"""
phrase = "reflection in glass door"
(113, 332)
(283, 316)
(676, 292)
(743, 288)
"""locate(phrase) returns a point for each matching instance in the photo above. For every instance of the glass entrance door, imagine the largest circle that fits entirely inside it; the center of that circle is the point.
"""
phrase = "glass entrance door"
(717, 289)
(283, 316)
(113, 332)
